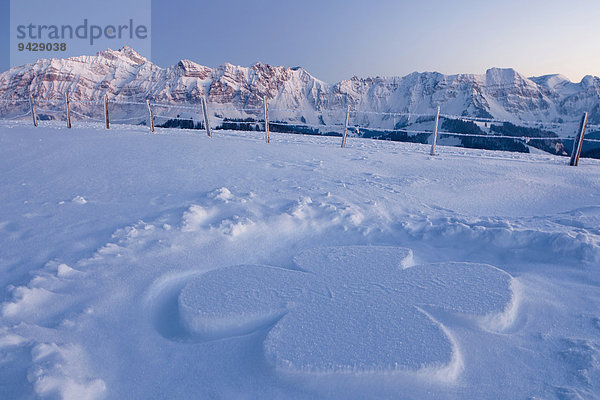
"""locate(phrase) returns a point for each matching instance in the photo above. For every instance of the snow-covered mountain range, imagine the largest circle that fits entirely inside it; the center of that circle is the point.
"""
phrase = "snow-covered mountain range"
(125, 75)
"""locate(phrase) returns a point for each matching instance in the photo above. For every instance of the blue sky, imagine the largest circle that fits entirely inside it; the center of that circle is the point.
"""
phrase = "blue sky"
(336, 39)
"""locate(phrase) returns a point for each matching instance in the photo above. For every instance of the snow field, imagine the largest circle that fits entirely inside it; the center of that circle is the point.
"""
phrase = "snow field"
(177, 266)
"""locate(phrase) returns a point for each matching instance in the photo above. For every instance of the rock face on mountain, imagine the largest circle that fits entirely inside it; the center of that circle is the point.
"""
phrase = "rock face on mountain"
(124, 75)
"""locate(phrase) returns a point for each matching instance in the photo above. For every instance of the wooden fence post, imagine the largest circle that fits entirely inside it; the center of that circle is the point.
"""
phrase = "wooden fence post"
(106, 111)
(346, 128)
(266, 104)
(151, 115)
(68, 111)
(206, 120)
(435, 134)
(33, 113)
(578, 143)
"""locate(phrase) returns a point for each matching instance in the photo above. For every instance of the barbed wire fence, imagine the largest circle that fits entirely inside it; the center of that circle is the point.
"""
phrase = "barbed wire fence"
(328, 122)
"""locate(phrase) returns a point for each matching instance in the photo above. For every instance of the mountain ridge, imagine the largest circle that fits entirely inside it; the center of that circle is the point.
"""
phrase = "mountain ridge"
(500, 93)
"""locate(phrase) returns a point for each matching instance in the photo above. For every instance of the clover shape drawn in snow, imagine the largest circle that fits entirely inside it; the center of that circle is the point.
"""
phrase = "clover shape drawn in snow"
(349, 309)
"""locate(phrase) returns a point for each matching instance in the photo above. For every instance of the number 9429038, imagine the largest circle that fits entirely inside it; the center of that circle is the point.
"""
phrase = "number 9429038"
(42, 46)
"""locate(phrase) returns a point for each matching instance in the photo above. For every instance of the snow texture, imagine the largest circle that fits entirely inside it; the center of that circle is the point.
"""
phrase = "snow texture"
(352, 310)
(173, 265)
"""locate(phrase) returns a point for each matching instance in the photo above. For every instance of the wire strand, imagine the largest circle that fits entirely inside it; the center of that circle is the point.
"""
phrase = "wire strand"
(19, 116)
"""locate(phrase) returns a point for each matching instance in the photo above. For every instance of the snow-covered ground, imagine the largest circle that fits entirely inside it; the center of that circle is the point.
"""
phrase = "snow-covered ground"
(176, 266)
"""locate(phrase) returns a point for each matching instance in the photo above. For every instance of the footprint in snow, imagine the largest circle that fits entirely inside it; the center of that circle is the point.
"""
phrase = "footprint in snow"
(350, 310)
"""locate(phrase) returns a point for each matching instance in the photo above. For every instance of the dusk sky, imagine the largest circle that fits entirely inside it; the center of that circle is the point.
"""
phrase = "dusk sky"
(337, 39)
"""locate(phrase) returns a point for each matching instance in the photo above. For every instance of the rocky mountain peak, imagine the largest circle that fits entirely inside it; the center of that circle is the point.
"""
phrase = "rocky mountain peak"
(503, 77)
(590, 81)
(125, 53)
(551, 81)
(193, 70)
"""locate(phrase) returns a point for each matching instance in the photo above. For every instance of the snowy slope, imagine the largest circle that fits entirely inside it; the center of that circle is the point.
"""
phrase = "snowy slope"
(178, 266)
